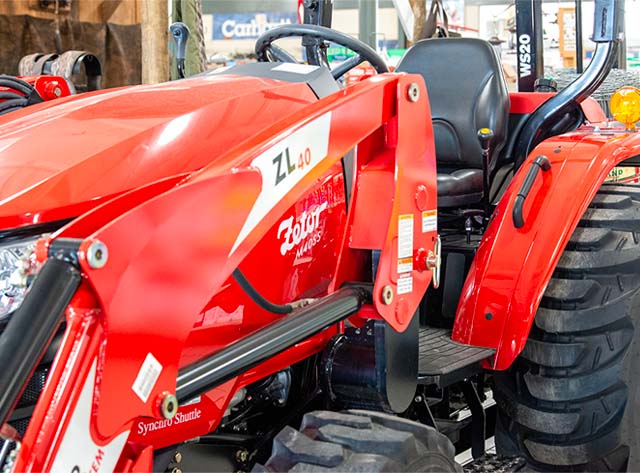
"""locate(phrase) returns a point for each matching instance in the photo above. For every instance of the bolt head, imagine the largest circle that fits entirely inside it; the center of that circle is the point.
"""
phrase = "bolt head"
(177, 457)
(169, 406)
(387, 295)
(413, 93)
(97, 255)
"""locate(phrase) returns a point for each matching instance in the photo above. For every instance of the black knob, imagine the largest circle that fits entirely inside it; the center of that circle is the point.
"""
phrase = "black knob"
(484, 136)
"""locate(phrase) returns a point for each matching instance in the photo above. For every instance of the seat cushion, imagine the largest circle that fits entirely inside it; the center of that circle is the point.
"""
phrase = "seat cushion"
(467, 91)
(459, 187)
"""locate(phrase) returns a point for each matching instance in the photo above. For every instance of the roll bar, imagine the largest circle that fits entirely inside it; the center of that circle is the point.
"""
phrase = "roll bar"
(561, 112)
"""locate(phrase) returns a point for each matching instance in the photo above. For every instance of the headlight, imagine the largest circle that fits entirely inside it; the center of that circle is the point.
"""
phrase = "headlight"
(17, 268)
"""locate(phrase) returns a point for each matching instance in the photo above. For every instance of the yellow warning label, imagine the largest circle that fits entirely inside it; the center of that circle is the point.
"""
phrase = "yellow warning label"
(405, 265)
(429, 221)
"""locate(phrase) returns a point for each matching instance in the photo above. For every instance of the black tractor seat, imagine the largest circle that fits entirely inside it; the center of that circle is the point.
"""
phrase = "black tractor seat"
(467, 91)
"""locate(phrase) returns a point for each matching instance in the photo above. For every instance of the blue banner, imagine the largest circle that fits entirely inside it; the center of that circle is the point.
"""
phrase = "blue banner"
(249, 25)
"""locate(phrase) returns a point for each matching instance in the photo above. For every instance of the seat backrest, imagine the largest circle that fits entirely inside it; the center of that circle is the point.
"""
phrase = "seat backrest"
(467, 91)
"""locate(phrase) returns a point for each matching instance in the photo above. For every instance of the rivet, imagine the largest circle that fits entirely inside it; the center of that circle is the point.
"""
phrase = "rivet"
(97, 255)
(414, 92)
(488, 316)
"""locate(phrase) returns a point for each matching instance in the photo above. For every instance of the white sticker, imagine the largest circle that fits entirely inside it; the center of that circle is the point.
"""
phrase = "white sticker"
(147, 377)
(429, 221)
(405, 236)
(405, 284)
(405, 265)
(284, 165)
(78, 451)
(295, 68)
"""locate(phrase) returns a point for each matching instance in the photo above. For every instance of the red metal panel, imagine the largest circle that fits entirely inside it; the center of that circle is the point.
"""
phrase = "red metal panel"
(176, 241)
(94, 146)
(526, 102)
(513, 266)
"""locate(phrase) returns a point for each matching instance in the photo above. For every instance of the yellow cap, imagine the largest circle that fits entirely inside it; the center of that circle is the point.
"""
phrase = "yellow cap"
(625, 106)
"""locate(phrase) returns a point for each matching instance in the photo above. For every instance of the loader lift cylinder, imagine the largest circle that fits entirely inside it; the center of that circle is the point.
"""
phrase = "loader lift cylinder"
(213, 370)
(31, 328)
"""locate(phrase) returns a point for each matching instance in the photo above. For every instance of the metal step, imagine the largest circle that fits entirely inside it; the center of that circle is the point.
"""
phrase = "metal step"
(444, 362)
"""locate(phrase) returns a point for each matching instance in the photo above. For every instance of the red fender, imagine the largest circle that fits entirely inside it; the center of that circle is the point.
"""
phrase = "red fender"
(513, 266)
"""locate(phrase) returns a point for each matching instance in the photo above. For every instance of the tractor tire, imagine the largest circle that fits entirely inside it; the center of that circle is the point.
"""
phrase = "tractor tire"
(360, 441)
(562, 403)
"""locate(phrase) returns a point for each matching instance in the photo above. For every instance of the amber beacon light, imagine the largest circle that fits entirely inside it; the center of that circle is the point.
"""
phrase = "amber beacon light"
(625, 106)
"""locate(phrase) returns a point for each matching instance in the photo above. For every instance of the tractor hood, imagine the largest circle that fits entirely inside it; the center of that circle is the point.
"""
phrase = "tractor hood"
(62, 158)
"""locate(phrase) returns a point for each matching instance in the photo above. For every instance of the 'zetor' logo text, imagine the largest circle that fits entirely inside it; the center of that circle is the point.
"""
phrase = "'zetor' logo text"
(303, 231)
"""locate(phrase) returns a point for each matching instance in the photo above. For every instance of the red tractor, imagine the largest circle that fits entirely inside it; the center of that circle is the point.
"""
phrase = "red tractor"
(258, 269)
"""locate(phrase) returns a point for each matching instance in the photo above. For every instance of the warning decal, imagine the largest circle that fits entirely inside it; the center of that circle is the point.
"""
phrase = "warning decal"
(405, 284)
(405, 236)
(429, 221)
(405, 265)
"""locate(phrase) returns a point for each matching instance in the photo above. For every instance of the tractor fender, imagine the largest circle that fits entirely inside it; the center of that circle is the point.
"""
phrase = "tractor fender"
(513, 266)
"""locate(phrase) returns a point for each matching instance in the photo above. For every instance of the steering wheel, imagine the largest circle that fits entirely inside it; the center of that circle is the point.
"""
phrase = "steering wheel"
(313, 35)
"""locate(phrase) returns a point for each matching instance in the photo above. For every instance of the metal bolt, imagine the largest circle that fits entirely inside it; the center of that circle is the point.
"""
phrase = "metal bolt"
(433, 262)
(413, 92)
(176, 470)
(97, 255)
(177, 458)
(418, 399)
(57, 91)
(242, 455)
(169, 406)
(387, 295)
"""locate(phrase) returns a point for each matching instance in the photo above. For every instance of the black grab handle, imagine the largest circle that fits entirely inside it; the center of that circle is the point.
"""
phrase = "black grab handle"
(541, 162)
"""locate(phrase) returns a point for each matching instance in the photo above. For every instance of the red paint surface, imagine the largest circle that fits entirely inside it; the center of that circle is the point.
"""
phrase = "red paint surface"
(162, 175)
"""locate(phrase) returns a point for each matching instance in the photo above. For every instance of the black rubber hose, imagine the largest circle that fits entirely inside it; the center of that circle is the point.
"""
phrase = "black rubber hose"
(9, 105)
(16, 79)
(10, 96)
(257, 297)
(16, 84)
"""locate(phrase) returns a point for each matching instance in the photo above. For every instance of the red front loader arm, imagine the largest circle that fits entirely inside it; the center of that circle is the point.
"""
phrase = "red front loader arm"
(514, 265)
(173, 243)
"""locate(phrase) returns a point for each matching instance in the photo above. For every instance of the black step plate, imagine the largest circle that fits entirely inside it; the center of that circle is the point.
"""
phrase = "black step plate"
(443, 361)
